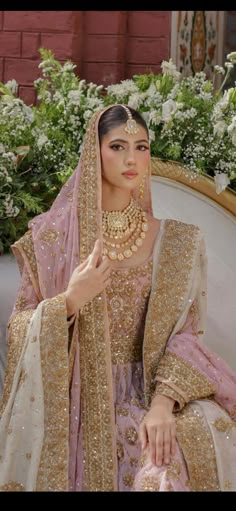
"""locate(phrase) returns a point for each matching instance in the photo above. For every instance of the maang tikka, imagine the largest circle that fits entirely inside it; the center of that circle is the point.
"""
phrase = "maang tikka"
(131, 125)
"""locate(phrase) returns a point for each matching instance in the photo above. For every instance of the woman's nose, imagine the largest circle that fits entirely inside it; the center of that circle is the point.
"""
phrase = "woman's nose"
(130, 158)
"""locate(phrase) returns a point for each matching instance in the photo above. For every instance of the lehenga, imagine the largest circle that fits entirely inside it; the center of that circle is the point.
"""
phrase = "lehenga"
(127, 302)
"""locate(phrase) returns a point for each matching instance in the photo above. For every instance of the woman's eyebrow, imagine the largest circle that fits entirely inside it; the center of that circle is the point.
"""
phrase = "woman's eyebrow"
(126, 142)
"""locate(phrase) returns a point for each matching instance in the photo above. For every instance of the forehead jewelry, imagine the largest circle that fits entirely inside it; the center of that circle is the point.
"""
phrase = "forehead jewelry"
(131, 124)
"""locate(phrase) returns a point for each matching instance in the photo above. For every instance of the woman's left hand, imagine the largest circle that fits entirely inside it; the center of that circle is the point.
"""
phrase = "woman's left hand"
(157, 430)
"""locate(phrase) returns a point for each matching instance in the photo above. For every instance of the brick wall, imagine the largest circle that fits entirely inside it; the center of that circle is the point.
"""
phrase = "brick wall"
(106, 46)
(23, 32)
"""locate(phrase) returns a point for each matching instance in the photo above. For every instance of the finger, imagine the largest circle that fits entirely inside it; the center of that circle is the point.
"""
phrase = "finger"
(159, 448)
(104, 264)
(95, 254)
(152, 444)
(143, 436)
(82, 265)
(173, 441)
(166, 449)
(106, 273)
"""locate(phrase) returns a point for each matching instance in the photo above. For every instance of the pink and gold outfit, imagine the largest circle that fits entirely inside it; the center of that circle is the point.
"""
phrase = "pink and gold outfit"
(75, 392)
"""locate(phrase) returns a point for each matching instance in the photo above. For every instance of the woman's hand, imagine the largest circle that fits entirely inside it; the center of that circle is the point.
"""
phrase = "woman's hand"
(87, 280)
(157, 430)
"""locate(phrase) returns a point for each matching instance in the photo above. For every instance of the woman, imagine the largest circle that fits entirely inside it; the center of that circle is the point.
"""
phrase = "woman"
(108, 386)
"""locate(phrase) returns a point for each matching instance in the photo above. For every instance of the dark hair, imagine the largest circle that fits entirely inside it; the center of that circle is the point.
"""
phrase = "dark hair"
(115, 116)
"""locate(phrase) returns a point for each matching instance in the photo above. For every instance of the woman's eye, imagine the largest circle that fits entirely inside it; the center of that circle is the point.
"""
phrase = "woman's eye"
(143, 148)
(116, 147)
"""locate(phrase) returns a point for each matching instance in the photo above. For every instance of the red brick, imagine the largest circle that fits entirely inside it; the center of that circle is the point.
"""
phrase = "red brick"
(42, 21)
(1, 19)
(28, 94)
(136, 69)
(103, 73)
(22, 70)
(147, 50)
(148, 23)
(64, 46)
(30, 45)
(105, 22)
(104, 48)
(1, 70)
(10, 44)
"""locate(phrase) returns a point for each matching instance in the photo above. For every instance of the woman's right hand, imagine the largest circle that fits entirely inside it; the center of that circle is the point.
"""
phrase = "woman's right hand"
(87, 280)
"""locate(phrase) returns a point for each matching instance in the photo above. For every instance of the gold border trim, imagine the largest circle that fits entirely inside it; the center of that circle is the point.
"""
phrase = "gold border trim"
(203, 184)
(176, 261)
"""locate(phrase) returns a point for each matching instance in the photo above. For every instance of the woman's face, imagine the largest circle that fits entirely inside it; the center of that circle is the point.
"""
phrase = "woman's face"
(125, 158)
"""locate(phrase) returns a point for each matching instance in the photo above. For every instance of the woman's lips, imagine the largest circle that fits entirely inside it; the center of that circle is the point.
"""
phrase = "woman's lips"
(129, 174)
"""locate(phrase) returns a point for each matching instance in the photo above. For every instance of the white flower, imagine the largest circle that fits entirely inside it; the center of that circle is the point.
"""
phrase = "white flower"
(152, 135)
(12, 85)
(135, 100)
(74, 97)
(169, 68)
(219, 70)
(68, 66)
(229, 65)
(232, 57)
(146, 116)
(155, 117)
(219, 128)
(168, 109)
(42, 141)
(221, 182)
(2, 148)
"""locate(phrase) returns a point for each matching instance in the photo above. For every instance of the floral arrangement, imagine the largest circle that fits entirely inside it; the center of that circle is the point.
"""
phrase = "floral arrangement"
(189, 121)
(40, 145)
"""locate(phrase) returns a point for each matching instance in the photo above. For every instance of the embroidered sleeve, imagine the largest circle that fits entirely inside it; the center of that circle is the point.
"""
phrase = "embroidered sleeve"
(176, 378)
(182, 372)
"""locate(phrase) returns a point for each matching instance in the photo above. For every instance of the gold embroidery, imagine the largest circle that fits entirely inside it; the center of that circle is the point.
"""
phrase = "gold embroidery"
(131, 435)
(133, 462)
(123, 411)
(127, 304)
(16, 337)
(49, 236)
(143, 459)
(23, 376)
(197, 445)
(174, 370)
(12, 486)
(128, 480)
(97, 409)
(178, 248)
(20, 303)
(150, 483)
(53, 469)
(174, 470)
(26, 244)
(228, 485)
(223, 425)
(165, 390)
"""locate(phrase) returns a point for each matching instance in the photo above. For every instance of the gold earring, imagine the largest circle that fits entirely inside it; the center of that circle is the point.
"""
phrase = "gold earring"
(142, 187)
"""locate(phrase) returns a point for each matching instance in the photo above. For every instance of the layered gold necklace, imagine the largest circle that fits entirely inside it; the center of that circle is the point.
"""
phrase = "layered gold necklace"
(117, 225)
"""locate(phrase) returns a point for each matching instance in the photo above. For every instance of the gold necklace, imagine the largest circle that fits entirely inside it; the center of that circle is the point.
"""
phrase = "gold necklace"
(116, 225)
(119, 224)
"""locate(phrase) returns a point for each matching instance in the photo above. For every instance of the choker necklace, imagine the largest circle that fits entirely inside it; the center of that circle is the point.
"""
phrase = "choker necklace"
(117, 225)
